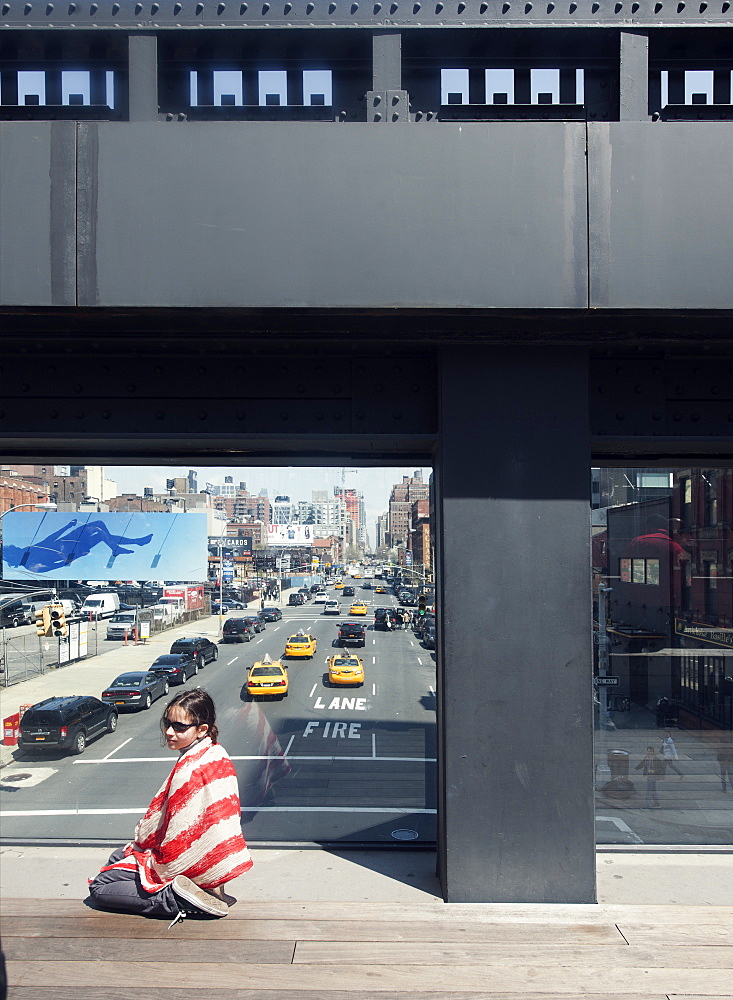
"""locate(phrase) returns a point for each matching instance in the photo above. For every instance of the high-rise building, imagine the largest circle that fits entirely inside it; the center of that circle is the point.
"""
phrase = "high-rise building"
(401, 499)
(355, 510)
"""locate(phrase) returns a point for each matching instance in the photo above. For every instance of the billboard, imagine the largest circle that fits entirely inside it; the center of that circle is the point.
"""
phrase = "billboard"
(289, 534)
(55, 545)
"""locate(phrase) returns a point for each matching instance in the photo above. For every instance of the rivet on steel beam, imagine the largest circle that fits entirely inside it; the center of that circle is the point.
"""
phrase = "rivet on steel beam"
(415, 8)
(115, 8)
(483, 8)
(242, 8)
(169, 117)
(438, 8)
(310, 8)
(527, 8)
(573, 7)
(703, 6)
(94, 8)
(377, 8)
(265, 8)
(377, 100)
(154, 8)
(332, 8)
(657, 7)
(72, 7)
(395, 117)
(221, 8)
(393, 8)
(377, 116)
(594, 8)
(199, 8)
(506, 8)
(418, 116)
(287, 8)
(634, 8)
(550, 8)
(461, 8)
(726, 7)
(395, 100)
(680, 8)
(49, 8)
(618, 8)
(177, 8)
(354, 8)
(138, 8)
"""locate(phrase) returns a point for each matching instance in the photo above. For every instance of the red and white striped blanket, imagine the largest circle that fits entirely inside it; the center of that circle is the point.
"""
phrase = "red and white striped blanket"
(192, 826)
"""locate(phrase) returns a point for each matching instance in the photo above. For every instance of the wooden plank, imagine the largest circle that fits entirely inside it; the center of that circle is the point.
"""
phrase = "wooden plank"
(681, 934)
(146, 993)
(486, 980)
(428, 911)
(160, 950)
(545, 956)
(128, 926)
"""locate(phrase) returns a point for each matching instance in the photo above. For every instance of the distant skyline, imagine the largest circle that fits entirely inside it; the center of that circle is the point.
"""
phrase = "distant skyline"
(297, 483)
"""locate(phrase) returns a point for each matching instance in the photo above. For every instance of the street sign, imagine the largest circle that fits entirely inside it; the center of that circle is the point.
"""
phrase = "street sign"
(609, 682)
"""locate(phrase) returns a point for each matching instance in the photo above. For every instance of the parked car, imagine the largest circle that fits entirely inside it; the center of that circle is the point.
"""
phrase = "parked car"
(12, 615)
(204, 649)
(270, 615)
(178, 667)
(65, 723)
(136, 689)
(237, 630)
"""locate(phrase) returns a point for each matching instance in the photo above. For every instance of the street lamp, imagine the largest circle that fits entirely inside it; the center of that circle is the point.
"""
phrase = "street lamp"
(40, 505)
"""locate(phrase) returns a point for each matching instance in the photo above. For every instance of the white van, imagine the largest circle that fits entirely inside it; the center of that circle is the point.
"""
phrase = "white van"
(101, 606)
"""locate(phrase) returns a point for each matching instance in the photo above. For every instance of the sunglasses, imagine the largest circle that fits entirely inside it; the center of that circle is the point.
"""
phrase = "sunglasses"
(177, 727)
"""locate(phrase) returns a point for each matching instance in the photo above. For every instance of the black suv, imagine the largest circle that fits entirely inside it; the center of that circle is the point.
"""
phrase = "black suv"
(237, 630)
(348, 591)
(352, 634)
(177, 667)
(66, 723)
(199, 646)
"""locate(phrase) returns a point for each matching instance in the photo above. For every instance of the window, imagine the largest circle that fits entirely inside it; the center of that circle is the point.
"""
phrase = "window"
(454, 86)
(710, 494)
(273, 88)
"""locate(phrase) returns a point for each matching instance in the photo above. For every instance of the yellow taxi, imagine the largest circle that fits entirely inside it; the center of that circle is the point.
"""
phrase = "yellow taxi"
(267, 678)
(380, 589)
(345, 669)
(339, 585)
(356, 576)
(301, 644)
(358, 608)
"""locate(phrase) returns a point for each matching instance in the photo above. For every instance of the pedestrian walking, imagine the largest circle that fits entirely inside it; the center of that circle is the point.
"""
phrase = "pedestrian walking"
(668, 752)
(725, 763)
(652, 768)
(189, 843)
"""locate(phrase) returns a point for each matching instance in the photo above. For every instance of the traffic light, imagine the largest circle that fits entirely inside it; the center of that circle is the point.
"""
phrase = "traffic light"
(421, 604)
(58, 620)
(43, 621)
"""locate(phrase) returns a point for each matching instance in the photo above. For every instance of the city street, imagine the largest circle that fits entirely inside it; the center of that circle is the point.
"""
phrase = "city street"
(324, 763)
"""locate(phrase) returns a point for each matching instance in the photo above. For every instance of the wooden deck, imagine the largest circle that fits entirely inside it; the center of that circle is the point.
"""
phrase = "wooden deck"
(61, 949)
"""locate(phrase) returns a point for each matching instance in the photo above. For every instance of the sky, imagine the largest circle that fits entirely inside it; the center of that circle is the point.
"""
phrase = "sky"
(297, 483)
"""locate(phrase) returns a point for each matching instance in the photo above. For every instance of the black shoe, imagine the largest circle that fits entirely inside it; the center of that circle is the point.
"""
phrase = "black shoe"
(194, 900)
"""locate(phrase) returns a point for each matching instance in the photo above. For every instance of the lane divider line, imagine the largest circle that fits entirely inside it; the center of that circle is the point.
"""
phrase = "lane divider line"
(118, 748)
(396, 811)
(167, 760)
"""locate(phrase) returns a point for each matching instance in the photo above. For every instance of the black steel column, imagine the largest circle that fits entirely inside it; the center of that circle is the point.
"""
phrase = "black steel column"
(515, 797)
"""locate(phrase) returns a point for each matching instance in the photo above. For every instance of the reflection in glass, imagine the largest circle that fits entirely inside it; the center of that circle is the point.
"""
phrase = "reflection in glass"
(662, 551)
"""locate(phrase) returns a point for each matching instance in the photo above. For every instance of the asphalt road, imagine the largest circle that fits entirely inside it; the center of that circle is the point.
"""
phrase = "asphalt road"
(324, 763)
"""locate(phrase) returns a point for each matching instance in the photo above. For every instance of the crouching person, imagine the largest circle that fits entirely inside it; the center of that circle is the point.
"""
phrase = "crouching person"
(189, 843)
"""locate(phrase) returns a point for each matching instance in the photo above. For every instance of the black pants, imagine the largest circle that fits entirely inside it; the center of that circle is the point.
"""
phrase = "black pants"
(119, 889)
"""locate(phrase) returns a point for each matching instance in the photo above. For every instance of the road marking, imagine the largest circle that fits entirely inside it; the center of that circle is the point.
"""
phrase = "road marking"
(290, 743)
(412, 643)
(431, 689)
(313, 689)
(118, 748)
(374, 688)
(141, 809)
(374, 745)
(260, 640)
(374, 641)
(419, 661)
(229, 662)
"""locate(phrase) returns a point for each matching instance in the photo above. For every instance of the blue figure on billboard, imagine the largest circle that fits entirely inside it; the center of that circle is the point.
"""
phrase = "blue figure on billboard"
(70, 542)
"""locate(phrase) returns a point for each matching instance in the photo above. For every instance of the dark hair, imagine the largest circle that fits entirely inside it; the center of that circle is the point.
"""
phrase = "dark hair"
(198, 705)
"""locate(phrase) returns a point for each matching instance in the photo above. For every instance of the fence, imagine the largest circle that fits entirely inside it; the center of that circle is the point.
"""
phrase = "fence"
(23, 656)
